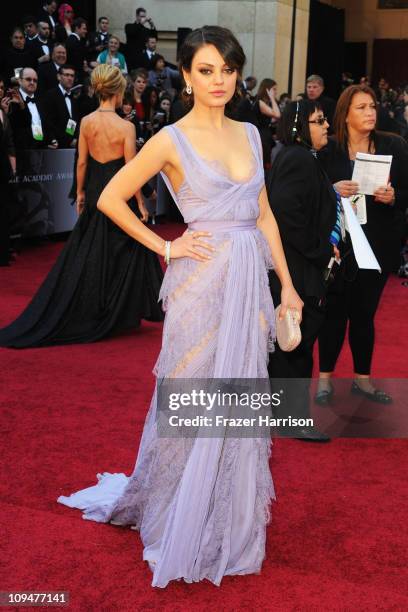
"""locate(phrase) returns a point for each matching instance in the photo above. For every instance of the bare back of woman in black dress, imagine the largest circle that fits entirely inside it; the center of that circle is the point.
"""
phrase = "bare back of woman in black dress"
(103, 281)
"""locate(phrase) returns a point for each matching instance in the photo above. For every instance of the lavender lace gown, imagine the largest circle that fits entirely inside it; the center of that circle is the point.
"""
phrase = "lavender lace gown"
(202, 504)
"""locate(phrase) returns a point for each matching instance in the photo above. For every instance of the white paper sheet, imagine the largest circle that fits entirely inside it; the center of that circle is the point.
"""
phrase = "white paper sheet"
(371, 172)
(363, 252)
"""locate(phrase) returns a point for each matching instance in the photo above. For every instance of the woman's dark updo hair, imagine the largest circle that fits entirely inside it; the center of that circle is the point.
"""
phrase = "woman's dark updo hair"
(225, 43)
(292, 129)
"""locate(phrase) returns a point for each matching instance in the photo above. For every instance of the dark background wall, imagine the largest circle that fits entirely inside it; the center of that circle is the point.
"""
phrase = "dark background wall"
(326, 45)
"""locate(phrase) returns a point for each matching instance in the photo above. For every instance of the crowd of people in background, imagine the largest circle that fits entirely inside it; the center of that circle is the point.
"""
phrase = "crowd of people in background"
(45, 86)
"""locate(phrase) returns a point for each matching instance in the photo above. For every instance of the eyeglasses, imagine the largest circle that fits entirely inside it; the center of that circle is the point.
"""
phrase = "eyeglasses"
(29, 79)
(319, 121)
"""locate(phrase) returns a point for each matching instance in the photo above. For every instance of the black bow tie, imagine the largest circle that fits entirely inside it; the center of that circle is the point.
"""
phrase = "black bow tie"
(28, 100)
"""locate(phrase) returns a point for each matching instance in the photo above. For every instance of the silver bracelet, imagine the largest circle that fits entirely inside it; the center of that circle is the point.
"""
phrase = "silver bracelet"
(167, 246)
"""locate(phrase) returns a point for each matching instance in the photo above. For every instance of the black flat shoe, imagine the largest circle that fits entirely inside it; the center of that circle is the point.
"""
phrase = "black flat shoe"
(324, 396)
(311, 434)
(378, 396)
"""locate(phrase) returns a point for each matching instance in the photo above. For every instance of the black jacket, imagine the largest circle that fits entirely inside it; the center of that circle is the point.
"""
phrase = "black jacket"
(57, 115)
(20, 120)
(44, 16)
(76, 53)
(143, 61)
(96, 39)
(385, 223)
(304, 204)
(47, 77)
(136, 37)
(17, 58)
(36, 50)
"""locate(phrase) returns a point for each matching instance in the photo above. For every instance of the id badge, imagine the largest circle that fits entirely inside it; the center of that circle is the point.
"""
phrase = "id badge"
(359, 202)
(343, 224)
(71, 125)
(36, 129)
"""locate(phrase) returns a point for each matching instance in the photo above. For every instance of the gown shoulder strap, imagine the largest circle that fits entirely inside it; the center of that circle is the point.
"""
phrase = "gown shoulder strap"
(255, 140)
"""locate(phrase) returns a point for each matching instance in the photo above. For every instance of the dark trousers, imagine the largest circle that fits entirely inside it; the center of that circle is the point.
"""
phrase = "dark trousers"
(354, 300)
(297, 364)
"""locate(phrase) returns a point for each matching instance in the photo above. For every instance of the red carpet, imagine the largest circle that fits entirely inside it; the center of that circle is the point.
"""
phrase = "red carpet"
(338, 538)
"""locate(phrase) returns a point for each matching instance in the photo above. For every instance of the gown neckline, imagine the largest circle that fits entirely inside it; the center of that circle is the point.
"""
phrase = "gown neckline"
(211, 163)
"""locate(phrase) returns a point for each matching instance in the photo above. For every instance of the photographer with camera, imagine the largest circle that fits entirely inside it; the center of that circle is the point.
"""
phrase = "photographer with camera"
(137, 34)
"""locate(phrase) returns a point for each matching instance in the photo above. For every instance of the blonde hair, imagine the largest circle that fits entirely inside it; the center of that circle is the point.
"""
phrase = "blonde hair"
(107, 81)
(114, 37)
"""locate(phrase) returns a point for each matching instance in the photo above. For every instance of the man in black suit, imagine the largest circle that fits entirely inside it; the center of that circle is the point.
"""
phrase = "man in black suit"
(40, 46)
(146, 58)
(77, 48)
(314, 91)
(47, 14)
(137, 34)
(62, 116)
(27, 115)
(48, 72)
(30, 27)
(98, 41)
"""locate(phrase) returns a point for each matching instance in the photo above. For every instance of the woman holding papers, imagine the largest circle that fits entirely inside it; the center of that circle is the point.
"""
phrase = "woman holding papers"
(355, 294)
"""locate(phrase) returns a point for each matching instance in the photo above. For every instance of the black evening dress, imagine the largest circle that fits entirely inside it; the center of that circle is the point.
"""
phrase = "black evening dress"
(103, 281)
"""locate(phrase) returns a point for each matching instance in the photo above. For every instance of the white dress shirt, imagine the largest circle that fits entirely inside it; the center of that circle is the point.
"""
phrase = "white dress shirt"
(32, 107)
(44, 46)
(67, 100)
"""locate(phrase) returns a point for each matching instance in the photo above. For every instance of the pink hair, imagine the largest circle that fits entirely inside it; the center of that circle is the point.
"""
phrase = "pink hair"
(61, 13)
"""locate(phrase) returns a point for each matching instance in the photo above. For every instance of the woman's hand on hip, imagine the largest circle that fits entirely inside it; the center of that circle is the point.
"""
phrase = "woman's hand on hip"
(190, 244)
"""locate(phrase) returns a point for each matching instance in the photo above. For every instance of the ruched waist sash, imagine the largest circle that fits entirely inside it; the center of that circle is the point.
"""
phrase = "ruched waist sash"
(222, 226)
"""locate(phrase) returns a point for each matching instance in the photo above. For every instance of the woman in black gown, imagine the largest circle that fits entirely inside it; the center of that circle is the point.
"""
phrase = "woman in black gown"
(103, 281)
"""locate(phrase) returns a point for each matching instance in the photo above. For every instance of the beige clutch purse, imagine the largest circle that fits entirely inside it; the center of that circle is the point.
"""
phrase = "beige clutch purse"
(288, 331)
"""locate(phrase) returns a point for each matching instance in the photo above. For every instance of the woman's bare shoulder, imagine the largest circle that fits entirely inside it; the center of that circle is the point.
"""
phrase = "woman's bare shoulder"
(161, 140)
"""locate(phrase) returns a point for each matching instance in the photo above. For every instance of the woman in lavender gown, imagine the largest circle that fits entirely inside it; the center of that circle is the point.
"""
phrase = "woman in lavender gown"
(202, 504)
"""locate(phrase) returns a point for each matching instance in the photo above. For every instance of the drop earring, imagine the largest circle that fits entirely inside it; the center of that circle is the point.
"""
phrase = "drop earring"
(189, 90)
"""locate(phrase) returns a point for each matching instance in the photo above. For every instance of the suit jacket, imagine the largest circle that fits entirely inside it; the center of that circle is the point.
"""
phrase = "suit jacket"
(143, 61)
(385, 223)
(20, 120)
(17, 58)
(44, 16)
(57, 115)
(47, 77)
(96, 40)
(76, 53)
(304, 204)
(35, 48)
(136, 37)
